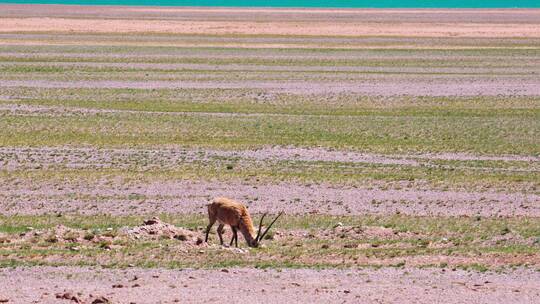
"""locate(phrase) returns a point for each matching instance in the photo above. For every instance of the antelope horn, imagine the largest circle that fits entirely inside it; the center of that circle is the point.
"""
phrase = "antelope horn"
(270, 226)
(260, 227)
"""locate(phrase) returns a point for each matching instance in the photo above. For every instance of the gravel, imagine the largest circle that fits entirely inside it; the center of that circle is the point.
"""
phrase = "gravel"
(372, 87)
(388, 285)
(118, 198)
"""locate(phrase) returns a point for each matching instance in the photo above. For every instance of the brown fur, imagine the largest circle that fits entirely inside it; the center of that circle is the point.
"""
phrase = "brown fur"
(229, 212)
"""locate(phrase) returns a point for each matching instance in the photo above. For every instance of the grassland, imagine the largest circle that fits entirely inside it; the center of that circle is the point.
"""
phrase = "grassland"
(396, 151)
(298, 242)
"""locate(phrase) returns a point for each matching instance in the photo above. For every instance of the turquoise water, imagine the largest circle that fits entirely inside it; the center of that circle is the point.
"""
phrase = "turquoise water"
(306, 3)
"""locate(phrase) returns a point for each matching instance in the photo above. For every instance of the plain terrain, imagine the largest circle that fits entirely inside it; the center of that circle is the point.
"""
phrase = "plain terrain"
(403, 146)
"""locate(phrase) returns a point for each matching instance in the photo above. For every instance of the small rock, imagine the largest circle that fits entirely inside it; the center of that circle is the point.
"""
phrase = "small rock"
(100, 300)
(152, 221)
(199, 241)
(339, 224)
(68, 296)
(135, 285)
(181, 237)
(347, 291)
(4, 300)
(117, 286)
(325, 246)
(225, 270)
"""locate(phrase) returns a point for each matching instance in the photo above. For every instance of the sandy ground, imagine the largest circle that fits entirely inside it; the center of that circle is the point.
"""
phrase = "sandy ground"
(390, 285)
(191, 197)
(28, 157)
(461, 23)
(115, 196)
(497, 50)
(258, 14)
(268, 28)
(419, 87)
(206, 68)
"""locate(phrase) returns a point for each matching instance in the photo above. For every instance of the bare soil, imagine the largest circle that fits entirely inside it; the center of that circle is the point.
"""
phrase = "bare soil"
(115, 196)
(369, 87)
(118, 198)
(407, 52)
(502, 16)
(387, 285)
(16, 158)
(425, 23)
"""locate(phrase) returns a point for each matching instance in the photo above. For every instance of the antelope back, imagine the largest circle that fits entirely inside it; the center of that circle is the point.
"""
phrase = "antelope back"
(230, 212)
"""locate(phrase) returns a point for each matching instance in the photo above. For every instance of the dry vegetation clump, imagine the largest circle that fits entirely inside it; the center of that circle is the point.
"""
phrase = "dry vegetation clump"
(151, 229)
(155, 229)
(58, 234)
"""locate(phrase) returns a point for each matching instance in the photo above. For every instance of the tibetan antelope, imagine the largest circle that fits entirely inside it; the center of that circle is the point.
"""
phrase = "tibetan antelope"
(229, 212)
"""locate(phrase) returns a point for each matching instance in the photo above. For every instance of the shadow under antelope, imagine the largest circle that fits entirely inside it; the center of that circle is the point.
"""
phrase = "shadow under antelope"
(230, 212)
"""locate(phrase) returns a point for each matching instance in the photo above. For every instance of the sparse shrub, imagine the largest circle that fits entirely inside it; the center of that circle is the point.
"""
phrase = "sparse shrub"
(400, 264)
(119, 242)
(52, 238)
(423, 243)
(110, 233)
(71, 236)
(181, 237)
(105, 244)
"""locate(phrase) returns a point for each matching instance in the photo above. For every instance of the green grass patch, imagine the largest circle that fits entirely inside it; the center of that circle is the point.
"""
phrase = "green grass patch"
(380, 134)
(465, 237)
